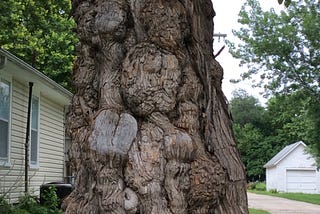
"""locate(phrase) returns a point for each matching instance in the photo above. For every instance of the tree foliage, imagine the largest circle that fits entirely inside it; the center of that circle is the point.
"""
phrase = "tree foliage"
(263, 132)
(249, 128)
(246, 109)
(284, 49)
(255, 152)
(285, 2)
(40, 33)
(289, 115)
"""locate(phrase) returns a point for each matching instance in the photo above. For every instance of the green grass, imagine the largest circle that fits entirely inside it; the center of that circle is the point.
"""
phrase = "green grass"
(255, 211)
(309, 198)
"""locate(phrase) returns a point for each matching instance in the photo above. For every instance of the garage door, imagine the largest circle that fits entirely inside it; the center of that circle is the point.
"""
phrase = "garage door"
(301, 181)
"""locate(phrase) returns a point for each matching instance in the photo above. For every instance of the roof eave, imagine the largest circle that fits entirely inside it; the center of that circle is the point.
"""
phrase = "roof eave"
(51, 83)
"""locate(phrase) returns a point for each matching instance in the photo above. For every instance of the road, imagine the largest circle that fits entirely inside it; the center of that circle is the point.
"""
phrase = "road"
(276, 205)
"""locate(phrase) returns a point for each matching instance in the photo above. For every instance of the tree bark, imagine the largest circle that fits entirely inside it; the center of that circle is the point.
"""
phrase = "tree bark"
(150, 127)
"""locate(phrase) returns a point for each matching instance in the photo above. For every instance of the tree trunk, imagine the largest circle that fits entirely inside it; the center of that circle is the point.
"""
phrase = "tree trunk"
(150, 127)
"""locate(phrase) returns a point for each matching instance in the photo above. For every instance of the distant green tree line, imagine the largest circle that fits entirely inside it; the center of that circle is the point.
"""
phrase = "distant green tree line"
(261, 132)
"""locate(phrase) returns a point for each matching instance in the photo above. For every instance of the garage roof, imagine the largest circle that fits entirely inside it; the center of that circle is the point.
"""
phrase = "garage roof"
(282, 154)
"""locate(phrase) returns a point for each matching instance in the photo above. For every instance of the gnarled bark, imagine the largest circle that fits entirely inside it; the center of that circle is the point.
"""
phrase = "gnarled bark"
(150, 128)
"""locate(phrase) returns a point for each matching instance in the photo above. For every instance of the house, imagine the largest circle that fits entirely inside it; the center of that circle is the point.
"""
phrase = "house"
(293, 170)
(47, 132)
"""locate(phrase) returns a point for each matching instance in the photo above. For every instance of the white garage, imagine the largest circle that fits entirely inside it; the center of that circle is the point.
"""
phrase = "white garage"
(293, 170)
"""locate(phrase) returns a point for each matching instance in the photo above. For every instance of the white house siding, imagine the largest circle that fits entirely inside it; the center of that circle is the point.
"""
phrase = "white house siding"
(271, 178)
(13, 177)
(296, 160)
(51, 148)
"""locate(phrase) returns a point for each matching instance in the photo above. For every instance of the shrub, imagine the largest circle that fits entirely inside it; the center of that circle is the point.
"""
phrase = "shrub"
(50, 198)
(273, 191)
(251, 186)
(260, 186)
(5, 207)
(29, 204)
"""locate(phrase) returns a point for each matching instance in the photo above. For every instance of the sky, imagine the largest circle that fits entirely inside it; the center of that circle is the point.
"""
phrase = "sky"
(225, 20)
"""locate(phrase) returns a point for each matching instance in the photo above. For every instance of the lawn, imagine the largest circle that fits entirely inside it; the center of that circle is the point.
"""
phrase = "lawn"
(255, 211)
(309, 198)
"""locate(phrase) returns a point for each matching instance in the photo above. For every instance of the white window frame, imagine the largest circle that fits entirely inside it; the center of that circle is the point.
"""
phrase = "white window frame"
(37, 164)
(7, 162)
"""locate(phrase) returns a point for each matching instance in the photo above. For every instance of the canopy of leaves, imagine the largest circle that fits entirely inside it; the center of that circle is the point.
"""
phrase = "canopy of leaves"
(290, 119)
(255, 152)
(262, 132)
(249, 126)
(284, 48)
(40, 33)
(246, 109)
(286, 2)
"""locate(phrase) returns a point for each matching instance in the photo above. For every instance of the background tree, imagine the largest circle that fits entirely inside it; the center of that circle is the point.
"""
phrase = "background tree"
(296, 117)
(40, 33)
(254, 149)
(285, 2)
(283, 50)
(246, 109)
(289, 117)
(150, 127)
(252, 131)
(262, 132)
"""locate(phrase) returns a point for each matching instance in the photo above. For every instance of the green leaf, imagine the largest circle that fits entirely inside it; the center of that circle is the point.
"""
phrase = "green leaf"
(283, 48)
(35, 31)
(287, 3)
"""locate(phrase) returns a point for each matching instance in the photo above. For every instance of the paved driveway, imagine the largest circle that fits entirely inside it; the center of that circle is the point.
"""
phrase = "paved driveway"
(276, 205)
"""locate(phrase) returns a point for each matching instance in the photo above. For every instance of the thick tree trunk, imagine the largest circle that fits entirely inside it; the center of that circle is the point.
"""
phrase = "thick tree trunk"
(150, 127)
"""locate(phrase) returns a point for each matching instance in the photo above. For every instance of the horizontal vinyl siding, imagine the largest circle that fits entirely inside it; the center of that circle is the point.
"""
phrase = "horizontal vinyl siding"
(12, 178)
(51, 145)
(52, 132)
(51, 149)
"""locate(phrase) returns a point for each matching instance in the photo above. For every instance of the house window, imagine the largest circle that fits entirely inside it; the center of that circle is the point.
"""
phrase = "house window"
(5, 91)
(34, 132)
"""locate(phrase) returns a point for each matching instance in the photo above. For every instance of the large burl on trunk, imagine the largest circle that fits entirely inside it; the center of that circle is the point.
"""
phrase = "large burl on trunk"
(150, 127)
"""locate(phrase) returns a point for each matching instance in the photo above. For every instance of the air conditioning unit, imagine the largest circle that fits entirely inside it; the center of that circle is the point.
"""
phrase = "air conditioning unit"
(3, 61)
